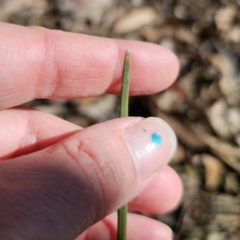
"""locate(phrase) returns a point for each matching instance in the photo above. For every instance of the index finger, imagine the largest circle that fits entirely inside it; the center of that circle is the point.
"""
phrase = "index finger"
(41, 63)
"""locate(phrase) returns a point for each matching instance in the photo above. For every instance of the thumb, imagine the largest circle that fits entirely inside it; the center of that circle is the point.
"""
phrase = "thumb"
(69, 186)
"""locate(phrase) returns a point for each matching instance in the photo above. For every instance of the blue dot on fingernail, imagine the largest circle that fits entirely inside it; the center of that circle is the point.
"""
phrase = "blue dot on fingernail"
(157, 139)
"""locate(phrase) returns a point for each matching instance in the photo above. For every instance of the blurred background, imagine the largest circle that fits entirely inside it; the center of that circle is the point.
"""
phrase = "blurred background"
(203, 106)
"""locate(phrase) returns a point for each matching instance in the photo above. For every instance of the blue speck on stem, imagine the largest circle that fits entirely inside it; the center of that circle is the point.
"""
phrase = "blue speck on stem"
(157, 139)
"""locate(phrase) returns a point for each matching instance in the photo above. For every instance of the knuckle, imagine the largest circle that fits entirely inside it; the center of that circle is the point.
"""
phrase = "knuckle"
(97, 167)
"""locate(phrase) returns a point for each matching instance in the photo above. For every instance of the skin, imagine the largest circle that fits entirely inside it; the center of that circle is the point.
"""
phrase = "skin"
(48, 188)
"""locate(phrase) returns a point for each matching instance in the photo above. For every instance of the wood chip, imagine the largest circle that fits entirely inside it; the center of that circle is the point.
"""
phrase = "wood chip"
(225, 151)
(179, 155)
(135, 19)
(169, 101)
(217, 115)
(98, 108)
(185, 134)
(232, 184)
(214, 171)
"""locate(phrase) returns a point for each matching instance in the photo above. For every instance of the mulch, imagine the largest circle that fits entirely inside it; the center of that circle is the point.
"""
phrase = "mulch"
(202, 106)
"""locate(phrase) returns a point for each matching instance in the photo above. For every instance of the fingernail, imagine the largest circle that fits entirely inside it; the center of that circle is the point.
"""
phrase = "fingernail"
(151, 143)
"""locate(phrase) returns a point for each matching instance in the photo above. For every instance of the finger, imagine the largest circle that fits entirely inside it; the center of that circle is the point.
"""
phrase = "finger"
(162, 195)
(74, 183)
(139, 227)
(35, 131)
(41, 63)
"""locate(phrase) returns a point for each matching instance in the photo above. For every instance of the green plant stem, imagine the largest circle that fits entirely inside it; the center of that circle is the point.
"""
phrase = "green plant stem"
(122, 223)
(123, 112)
(125, 87)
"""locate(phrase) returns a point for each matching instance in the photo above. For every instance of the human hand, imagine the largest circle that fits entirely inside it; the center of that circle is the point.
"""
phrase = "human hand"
(58, 179)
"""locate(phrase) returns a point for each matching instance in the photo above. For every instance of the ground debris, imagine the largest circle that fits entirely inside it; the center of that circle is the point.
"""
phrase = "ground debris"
(203, 106)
